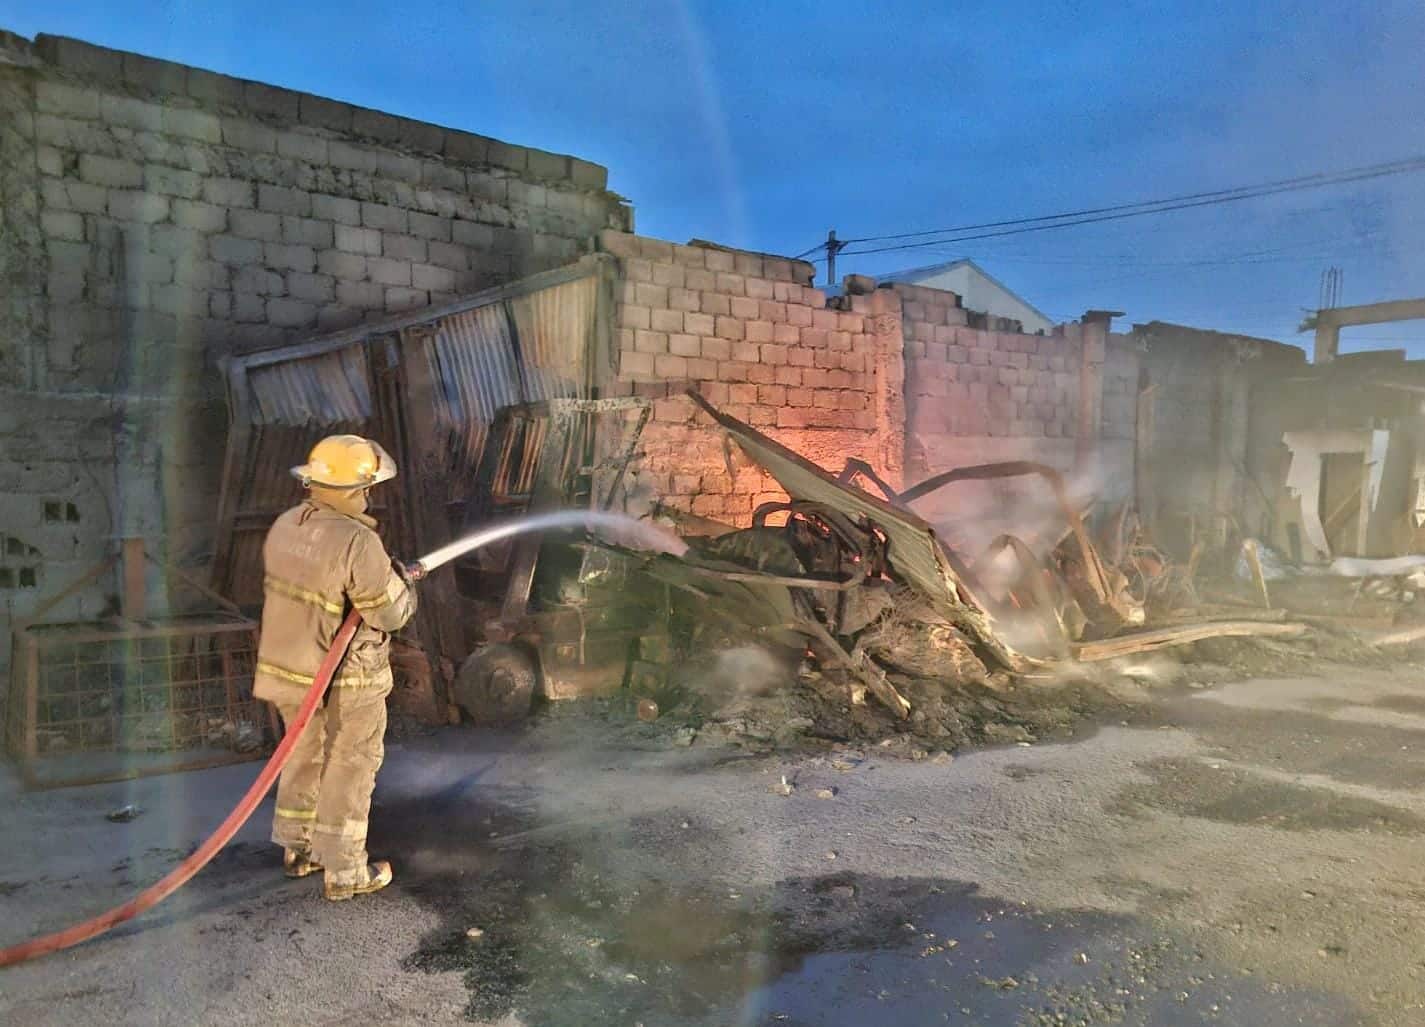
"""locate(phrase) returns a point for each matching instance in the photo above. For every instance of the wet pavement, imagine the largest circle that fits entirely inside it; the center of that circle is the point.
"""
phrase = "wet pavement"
(1240, 854)
(535, 931)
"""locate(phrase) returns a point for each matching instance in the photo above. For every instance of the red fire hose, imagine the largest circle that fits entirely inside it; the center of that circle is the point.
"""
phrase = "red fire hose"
(153, 895)
(179, 876)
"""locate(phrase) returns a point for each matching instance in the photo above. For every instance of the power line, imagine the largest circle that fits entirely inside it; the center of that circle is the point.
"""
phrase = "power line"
(1018, 226)
(1298, 182)
(1284, 252)
(1418, 166)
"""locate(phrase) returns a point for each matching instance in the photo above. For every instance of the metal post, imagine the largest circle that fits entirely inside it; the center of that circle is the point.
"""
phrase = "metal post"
(32, 697)
(833, 247)
(135, 599)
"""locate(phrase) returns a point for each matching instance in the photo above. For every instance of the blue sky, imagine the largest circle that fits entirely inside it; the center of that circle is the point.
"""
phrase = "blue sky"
(764, 124)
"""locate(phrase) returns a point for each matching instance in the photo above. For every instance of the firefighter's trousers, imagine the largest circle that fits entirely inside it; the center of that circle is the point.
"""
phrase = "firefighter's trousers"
(324, 793)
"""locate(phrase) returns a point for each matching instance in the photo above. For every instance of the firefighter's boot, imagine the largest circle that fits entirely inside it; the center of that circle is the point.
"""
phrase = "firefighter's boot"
(298, 864)
(375, 877)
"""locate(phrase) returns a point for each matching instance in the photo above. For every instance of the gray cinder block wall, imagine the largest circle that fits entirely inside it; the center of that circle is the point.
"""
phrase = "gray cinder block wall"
(154, 217)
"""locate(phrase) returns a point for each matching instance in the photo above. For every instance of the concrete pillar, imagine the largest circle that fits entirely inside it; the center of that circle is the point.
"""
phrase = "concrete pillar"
(886, 327)
(1093, 349)
(1328, 339)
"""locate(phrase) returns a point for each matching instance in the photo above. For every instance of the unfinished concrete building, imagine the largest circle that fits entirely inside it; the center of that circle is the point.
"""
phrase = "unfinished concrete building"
(157, 218)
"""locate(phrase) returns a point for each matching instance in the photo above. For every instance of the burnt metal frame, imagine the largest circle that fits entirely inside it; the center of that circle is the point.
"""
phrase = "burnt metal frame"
(551, 477)
(1098, 577)
(962, 600)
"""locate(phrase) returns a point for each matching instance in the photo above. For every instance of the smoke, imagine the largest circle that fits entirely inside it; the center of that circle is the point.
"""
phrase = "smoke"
(744, 672)
(970, 515)
(1031, 632)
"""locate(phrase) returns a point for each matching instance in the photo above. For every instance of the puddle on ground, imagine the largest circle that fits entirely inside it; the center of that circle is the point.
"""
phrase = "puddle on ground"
(1233, 796)
(567, 933)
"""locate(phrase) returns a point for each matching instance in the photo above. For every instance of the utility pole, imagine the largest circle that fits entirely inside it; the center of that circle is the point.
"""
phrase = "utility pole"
(833, 247)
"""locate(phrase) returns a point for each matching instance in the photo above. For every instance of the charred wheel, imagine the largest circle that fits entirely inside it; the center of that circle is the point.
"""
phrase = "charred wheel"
(496, 684)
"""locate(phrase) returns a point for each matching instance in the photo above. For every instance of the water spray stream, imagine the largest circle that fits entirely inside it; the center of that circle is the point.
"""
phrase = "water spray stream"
(616, 527)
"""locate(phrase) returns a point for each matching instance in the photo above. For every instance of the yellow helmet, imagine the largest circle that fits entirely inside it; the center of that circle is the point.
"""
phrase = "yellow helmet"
(346, 462)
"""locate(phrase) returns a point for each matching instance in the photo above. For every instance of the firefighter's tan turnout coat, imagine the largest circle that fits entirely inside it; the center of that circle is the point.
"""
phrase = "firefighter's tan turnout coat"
(319, 563)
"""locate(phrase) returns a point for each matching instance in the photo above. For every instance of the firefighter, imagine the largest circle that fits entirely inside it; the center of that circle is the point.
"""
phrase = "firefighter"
(321, 559)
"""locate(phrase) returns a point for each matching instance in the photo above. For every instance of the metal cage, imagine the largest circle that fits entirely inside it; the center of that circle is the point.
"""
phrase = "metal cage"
(132, 696)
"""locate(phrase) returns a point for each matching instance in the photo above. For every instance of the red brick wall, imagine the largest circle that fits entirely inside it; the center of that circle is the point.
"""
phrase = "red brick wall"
(896, 377)
(753, 335)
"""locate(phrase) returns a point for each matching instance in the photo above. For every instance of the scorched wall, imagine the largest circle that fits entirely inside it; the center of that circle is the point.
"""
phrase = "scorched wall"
(894, 377)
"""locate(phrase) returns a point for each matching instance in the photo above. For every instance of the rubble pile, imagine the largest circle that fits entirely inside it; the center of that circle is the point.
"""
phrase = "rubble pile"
(870, 626)
(840, 614)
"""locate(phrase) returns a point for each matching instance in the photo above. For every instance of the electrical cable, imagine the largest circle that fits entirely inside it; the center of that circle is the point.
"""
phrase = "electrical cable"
(1118, 212)
(1315, 180)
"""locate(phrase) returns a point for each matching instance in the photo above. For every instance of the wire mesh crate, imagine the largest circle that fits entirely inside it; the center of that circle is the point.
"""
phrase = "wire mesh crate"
(93, 702)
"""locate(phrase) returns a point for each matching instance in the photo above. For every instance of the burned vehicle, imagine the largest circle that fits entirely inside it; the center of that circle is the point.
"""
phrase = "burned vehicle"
(561, 619)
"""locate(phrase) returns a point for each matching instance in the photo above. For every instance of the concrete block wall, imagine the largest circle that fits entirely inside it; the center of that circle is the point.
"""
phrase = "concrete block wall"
(1115, 451)
(894, 376)
(1205, 452)
(1189, 431)
(975, 395)
(230, 214)
(54, 517)
(1119, 410)
(758, 340)
(964, 382)
(156, 217)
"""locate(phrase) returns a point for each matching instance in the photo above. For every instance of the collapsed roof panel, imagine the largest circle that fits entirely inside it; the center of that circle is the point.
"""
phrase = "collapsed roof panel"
(914, 552)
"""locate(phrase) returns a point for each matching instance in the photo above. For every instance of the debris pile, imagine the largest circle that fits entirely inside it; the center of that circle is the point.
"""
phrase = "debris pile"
(869, 624)
(1376, 605)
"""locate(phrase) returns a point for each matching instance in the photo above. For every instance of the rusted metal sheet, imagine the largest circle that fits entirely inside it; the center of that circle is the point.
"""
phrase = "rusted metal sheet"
(326, 388)
(522, 350)
(555, 328)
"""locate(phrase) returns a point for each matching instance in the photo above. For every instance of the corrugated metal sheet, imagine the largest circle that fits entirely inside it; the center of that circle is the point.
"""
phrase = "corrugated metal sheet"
(323, 389)
(522, 350)
(529, 341)
(555, 326)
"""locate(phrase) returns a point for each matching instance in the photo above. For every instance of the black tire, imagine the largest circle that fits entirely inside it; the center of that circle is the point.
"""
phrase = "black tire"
(496, 684)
